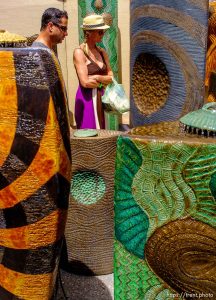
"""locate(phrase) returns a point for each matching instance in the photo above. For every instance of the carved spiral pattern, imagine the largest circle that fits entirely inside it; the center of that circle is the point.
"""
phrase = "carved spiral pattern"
(183, 254)
(176, 34)
(165, 193)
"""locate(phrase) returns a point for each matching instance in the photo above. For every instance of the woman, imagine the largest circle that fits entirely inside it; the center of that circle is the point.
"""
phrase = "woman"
(94, 72)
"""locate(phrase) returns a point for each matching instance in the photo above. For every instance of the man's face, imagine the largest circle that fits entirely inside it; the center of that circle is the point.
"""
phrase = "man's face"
(59, 30)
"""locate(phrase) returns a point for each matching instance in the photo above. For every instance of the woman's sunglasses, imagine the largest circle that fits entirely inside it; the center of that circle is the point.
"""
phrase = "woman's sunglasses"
(101, 32)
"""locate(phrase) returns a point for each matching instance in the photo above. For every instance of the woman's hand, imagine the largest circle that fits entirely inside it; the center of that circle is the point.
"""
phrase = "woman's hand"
(104, 79)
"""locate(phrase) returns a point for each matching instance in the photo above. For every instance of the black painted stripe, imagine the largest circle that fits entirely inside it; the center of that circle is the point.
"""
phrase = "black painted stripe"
(1, 254)
(51, 196)
(63, 192)
(2, 219)
(6, 295)
(58, 96)
(33, 103)
(15, 217)
(30, 128)
(42, 260)
(3, 180)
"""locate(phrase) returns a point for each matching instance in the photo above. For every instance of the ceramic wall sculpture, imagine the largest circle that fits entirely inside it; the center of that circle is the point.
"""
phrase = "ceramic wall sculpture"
(34, 172)
(201, 122)
(168, 49)
(90, 226)
(109, 10)
(165, 218)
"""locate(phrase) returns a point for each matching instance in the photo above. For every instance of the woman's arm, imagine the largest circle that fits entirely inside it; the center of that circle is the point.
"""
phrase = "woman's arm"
(85, 80)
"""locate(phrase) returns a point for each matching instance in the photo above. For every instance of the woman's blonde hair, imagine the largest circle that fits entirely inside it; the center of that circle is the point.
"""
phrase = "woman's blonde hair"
(85, 47)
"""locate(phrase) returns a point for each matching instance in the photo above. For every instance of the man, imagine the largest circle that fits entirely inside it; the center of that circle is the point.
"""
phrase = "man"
(53, 28)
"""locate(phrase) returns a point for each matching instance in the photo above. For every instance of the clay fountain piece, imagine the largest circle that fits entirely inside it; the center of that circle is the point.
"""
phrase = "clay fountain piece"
(201, 121)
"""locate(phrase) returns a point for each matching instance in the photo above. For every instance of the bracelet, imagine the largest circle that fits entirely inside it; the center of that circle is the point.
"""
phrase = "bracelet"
(100, 85)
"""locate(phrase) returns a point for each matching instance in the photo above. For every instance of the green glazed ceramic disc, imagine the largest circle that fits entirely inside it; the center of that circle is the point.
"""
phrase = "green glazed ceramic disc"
(85, 133)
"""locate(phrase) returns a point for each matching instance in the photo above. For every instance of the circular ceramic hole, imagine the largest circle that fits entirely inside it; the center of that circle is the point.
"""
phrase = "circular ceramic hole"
(150, 83)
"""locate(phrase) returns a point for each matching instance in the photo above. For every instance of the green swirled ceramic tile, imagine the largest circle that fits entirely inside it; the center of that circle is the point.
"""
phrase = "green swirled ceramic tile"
(165, 206)
(135, 280)
(199, 173)
(109, 9)
(212, 185)
(133, 223)
(159, 186)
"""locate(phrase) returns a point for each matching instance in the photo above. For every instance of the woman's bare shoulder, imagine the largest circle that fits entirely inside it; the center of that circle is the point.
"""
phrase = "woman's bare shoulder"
(80, 48)
(78, 51)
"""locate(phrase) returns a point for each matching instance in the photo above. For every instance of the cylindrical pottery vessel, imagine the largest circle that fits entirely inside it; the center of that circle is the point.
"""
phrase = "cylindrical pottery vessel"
(89, 228)
(34, 172)
(167, 61)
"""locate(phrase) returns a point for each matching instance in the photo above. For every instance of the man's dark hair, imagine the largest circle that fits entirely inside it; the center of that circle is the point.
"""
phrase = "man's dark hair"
(52, 15)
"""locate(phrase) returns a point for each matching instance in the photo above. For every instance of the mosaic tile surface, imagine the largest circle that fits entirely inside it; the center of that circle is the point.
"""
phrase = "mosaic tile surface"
(90, 226)
(165, 218)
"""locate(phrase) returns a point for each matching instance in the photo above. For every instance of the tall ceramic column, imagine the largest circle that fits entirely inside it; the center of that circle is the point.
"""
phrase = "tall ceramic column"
(90, 225)
(168, 50)
(34, 172)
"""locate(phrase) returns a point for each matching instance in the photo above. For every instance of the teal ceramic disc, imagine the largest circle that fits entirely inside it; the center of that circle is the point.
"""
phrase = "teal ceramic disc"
(87, 187)
(204, 118)
(85, 133)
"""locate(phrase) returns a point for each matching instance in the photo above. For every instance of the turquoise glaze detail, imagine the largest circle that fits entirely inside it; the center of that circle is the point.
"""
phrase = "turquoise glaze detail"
(87, 187)
(131, 229)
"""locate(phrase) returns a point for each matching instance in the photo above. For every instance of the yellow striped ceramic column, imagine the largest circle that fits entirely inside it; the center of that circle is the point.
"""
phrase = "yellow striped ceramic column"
(34, 172)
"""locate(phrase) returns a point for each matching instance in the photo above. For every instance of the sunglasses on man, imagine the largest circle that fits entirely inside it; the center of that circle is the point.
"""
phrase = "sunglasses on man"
(63, 28)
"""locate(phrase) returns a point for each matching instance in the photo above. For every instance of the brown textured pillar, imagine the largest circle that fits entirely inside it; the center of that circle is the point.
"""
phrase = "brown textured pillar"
(89, 229)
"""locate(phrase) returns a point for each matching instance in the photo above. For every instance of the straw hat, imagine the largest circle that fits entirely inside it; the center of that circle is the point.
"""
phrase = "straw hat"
(94, 22)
